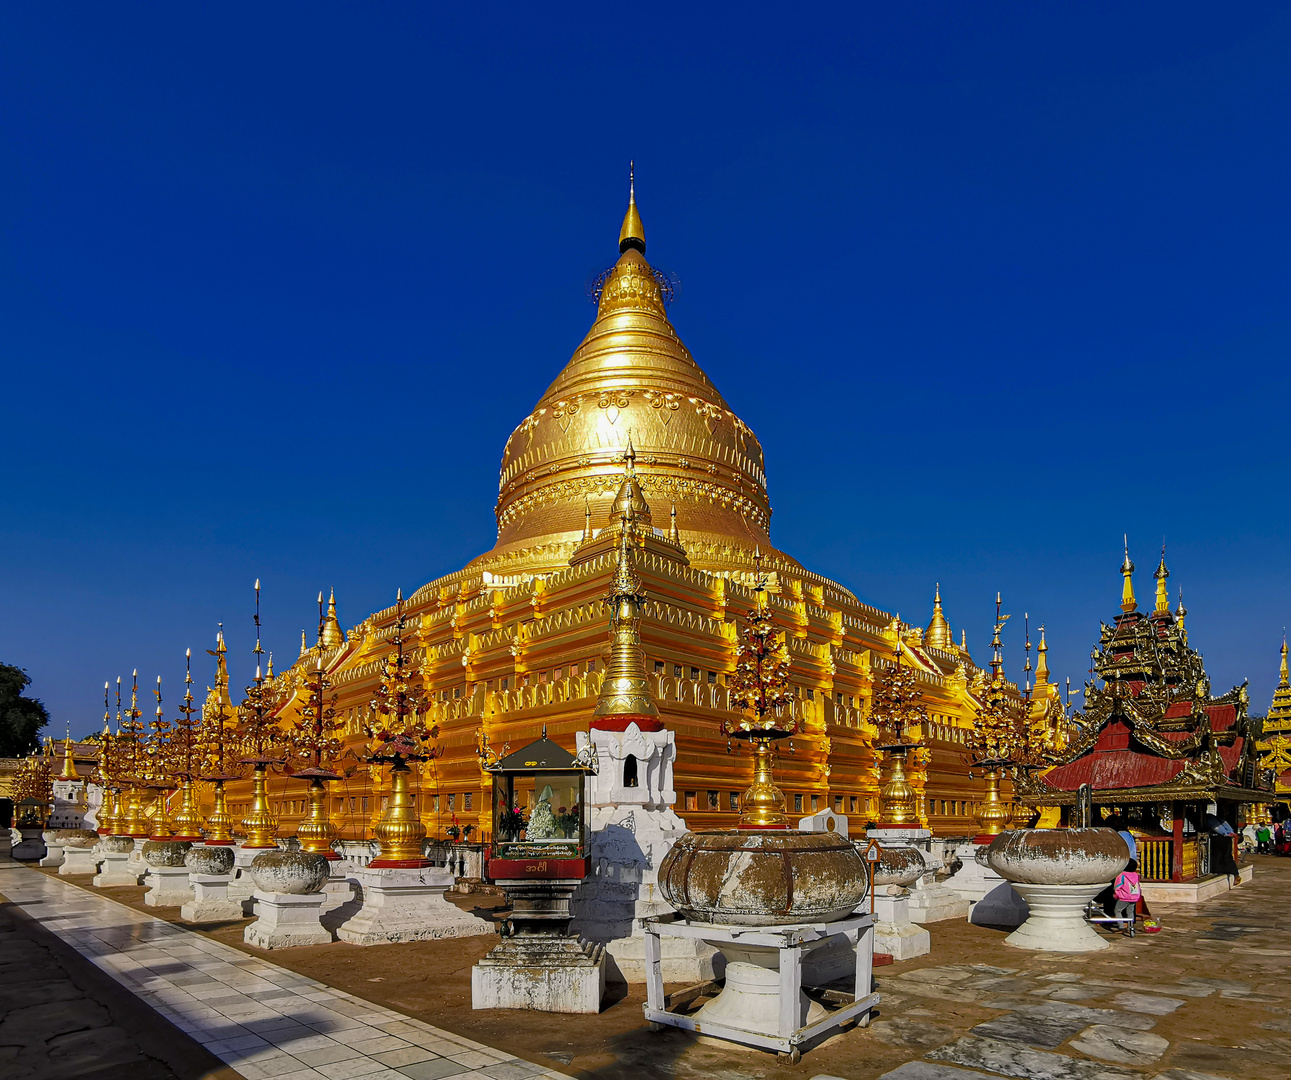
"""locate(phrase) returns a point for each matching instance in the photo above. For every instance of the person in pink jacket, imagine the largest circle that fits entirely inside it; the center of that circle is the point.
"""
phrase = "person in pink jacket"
(1127, 892)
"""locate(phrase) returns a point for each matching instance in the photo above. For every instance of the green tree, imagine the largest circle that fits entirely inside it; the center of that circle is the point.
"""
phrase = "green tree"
(21, 718)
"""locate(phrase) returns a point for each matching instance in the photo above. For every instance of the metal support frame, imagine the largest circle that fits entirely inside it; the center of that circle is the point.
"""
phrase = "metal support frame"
(791, 941)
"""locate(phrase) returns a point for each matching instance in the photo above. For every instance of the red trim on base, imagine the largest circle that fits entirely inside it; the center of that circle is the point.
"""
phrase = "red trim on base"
(761, 828)
(986, 838)
(332, 856)
(259, 847)
(882, 959)
(190, 839)
(399, 864)
(621, 723)
(219, 843)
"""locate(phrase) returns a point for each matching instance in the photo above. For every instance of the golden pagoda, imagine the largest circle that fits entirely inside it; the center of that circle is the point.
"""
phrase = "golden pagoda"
(1275, 742)
(515, 640)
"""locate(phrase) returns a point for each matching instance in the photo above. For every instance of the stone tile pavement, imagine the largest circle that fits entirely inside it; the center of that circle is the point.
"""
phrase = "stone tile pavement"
(262, 1020)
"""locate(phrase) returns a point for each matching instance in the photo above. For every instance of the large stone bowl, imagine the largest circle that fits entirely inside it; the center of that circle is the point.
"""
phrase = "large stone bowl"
(1058, 856)
(900, 866)
(293, 872)
(117, 845)
(1057, 872)
(763, 878)
(77, 838)
(209, 860)
(165, 852)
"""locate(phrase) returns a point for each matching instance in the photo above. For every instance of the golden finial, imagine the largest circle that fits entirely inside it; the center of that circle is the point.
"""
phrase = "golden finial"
(629, 504)
(1128, 603)
(625, 690)
(1163, 593)
(1042, 660)
(673, 534)
(587, 520)
(1283, 683)
(1179, 613)
(270, 671)
(632, 235)
(963, 640)
(68, 771)
(304, 642)
(938, 634)
(331, 633)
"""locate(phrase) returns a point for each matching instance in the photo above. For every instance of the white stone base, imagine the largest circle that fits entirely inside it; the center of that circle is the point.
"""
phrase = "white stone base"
(115, 870)
(167, 886)
(750, 1001)
(1192, 892)
(931, 901)
(408, 905)
(210, 902)
(53, 855)
(683, 960)
(894, 933)
(286, 920)
(339, 892)
(1057, 920)
(80, 861)
(558, 975)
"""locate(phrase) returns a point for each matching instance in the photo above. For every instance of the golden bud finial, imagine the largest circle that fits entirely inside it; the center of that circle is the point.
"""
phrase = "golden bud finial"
(938, 634)
(1128, 603)
(1283, 682)
(673, 534)
(632, 235)
(1042, 660)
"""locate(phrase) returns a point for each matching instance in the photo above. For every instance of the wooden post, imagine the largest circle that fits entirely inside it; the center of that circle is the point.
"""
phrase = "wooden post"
(1176, 845)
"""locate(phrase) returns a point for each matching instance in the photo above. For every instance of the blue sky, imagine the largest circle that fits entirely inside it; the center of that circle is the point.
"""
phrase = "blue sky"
(992, 286)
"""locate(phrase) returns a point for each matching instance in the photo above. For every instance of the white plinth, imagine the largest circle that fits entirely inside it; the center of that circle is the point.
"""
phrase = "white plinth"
(167, 886)
(339, 890)
(544, 974)
(115, 870)
(80, 861)
(894, 932)
(286, 920)
(1057, 920)
(931, 901)
(53, 855)
(408, 905)
(210, 901)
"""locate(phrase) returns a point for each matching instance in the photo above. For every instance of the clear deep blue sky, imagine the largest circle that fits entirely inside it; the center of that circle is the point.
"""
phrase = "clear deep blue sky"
(993, 285)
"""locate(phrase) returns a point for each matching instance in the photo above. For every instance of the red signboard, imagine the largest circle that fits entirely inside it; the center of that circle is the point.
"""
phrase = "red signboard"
(523, 869)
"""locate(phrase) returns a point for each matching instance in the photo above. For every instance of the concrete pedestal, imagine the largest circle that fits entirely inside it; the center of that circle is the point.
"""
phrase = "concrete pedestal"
(242, 885)
(339, 892)
(931, 901)
(286, 920)
(53, 854)
(407, 905)
(546, 974)
(210, 901)
(992, 900)
(80, 861)
(168, 886)
(115, 870)
(894, 933)
(1057, 920)
(31, 847)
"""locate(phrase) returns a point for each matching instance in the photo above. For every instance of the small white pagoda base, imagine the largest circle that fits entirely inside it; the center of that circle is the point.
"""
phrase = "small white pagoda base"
(210, 900)
(80, 861)
(115, 870)
(286, 920)
(1057, 920)
(168, 886)
(932, 901)
(894, 932)
(540, 972)
(401, 904)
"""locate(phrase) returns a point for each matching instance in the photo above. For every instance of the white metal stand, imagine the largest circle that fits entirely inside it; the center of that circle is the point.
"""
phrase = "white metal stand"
(785, 946)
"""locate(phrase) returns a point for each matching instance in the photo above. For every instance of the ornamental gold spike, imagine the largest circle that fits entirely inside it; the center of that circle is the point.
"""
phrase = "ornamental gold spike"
(632, 235)
(1128, 603)
(625, 690)
(1163, 592)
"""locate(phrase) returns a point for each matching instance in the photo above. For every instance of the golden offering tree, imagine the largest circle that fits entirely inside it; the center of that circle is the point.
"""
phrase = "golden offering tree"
(217, 745)
(104, 774)
(898, 711)
(760, 687)
(263, 745)
(34, 784)
(316, 748)
(398, 735)
(159, 776)
(186, 759)
(132, 763)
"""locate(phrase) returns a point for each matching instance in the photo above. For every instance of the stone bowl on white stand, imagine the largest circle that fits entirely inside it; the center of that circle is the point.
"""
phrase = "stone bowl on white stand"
(114, 855)
(288, 900)
(78, 851)
(210, 870)
(1058, 872)
(167, 876)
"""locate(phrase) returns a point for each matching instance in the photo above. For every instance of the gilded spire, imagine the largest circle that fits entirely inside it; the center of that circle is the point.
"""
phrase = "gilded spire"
(217, 696)
(632, 235)
(673, 534)
(304, 642)
(587, 520)
(630, 506)
(1179, 613)
(1128, 603)
(332, 634)
(625, 692)
(1283, 683)
(1042, 661)
(938, 634)
(68, 772)
(1163, 592)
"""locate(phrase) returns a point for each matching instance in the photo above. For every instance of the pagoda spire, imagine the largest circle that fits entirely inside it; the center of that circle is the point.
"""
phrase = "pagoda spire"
(332, 633)
(1128, 603)
(625, 696)
(1283, 682)
(938, 633)
(69, 772)
(673, 534)
(1179, 613)
(632, 235)
(1042, 661)
(1163, 591)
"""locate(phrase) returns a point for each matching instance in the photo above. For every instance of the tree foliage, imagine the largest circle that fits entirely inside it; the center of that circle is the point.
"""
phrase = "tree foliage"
(21, 718)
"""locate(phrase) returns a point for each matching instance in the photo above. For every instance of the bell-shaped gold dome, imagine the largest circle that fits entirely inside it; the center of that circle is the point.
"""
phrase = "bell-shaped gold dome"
(631, 378)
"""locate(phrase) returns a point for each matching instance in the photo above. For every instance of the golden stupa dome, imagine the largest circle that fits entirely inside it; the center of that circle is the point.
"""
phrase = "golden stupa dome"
(631, 382)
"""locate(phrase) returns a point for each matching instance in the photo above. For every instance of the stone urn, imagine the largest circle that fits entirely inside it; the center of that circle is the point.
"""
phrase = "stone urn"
(761, 877)
(116, 845)
(295, 873)
(77, 838)
(899, 867)
(1058, 872)
(165, 852)
(214, 861)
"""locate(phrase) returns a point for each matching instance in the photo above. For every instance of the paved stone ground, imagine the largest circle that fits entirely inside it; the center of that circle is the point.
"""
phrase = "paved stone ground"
(1206, 998)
